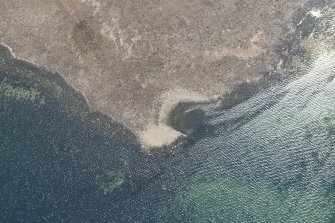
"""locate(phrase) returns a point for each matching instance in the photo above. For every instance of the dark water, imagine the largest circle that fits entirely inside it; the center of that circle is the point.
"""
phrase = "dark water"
(268, 159)
(263, 158)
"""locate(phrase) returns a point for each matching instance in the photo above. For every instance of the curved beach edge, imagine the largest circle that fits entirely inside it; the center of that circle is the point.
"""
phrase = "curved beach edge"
(161, 134)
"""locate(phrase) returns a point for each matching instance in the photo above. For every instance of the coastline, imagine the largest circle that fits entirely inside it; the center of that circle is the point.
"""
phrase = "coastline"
(162, 133)
(125, 64)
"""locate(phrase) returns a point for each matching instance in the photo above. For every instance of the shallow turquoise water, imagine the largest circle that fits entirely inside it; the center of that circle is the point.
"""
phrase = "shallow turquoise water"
(268, 159)
(272, 157)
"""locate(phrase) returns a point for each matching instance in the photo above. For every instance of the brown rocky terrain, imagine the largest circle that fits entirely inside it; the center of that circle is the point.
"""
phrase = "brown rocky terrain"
(135, 60)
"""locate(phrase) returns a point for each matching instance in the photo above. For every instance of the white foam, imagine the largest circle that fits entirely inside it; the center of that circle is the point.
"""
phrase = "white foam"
(316, 13)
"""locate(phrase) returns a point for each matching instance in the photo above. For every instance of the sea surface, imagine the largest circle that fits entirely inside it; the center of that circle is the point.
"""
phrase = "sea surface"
(264, 155)
(270, 158)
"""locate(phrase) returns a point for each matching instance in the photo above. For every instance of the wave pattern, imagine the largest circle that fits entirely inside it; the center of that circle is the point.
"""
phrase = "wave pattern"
(280, 159)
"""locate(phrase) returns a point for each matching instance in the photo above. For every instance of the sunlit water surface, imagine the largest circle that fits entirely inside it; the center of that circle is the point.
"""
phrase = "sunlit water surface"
(268, 159)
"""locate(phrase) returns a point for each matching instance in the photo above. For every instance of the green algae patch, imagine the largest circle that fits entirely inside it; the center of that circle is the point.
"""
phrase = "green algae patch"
(226, 200)
(20, 93)
(109, 180)
(52, 147)
(23, 81)
(330, 119)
